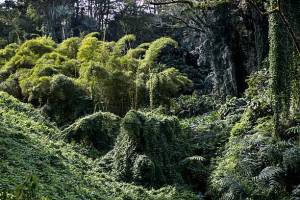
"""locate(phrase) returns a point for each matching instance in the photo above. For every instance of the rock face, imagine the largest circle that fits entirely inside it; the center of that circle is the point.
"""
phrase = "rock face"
(147, 151)
(233, 45)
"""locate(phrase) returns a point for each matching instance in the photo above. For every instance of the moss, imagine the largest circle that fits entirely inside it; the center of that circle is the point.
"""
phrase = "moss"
(281, 62)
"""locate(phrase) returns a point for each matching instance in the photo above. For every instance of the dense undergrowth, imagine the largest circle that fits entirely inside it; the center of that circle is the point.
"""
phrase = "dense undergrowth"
(29, 146)
(109, 120)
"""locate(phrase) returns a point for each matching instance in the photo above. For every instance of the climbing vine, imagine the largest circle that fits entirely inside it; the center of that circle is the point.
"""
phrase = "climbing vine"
(281, 61)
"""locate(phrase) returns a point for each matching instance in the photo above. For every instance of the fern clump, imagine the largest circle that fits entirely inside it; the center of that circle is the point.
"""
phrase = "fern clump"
(255, 164)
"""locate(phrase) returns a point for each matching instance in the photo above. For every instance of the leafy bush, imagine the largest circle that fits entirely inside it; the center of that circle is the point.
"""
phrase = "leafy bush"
(148, 150)
(98, 130)
(191, 105)
(66, 100)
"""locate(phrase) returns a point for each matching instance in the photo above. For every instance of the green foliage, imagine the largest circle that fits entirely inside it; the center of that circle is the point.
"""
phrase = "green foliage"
(123, 44)
(106, 72)
(28, 145)
(25, 191)
(186, 106)
(98, 130)
(69, 47)
(88, 49)
(66, 100)
(254, 164)
(258, 84)
(208, 134)
(165, 85)
(153, 52)
(7, 53)
(148, 150)
(27, 55)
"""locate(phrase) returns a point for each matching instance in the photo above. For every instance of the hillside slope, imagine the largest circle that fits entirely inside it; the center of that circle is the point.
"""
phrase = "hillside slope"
(28, 147)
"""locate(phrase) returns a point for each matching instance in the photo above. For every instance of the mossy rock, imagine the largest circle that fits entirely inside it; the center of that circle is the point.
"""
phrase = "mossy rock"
(148, 150)
(98, 130)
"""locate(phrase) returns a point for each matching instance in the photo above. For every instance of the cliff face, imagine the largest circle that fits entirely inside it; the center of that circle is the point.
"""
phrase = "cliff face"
(229, 49)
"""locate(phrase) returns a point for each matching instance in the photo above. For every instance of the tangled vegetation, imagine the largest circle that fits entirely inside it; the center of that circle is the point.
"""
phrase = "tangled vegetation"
(148, 150)
(202, 103)
(60, 171)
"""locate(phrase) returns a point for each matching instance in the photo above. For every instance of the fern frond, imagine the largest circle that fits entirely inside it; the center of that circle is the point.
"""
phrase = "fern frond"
(291, 158)
(192, 159)
(270, 177)
(232, 189)
(294, 130)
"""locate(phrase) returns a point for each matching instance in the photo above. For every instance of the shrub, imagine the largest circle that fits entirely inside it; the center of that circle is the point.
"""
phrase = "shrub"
(191, 105)
(148, 150)
(66, 100)
(98, 130)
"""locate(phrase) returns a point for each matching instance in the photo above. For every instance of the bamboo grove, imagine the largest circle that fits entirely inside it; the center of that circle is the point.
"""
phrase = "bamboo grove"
(116, 76)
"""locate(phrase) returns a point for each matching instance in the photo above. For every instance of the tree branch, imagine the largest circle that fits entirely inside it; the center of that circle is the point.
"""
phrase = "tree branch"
(187, 24)
(172, 2)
